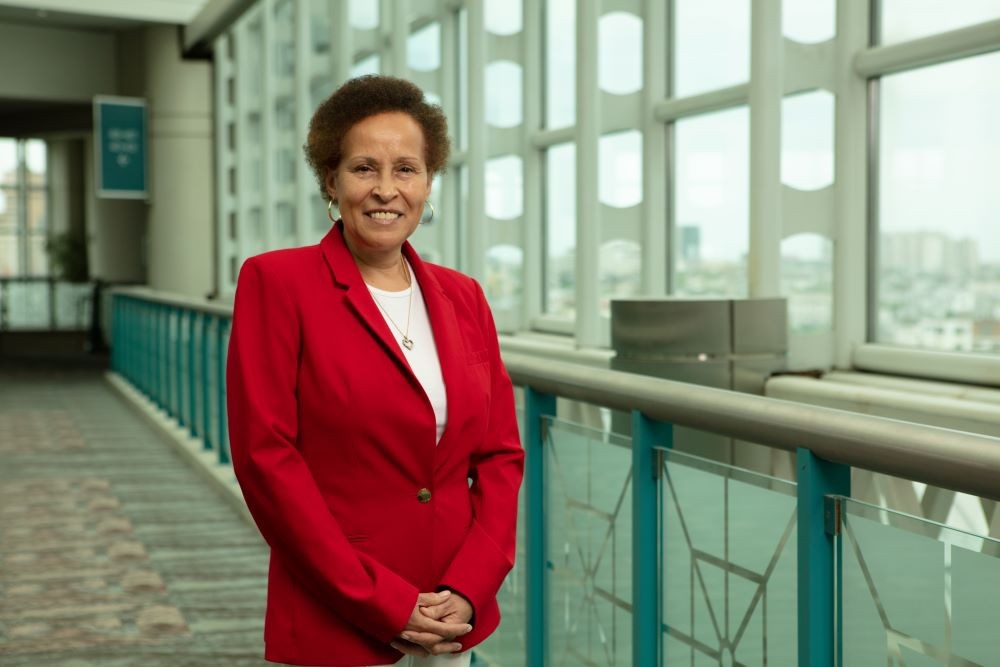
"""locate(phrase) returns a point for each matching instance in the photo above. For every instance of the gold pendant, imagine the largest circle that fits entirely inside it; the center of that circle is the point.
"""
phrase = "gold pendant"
(407, 343)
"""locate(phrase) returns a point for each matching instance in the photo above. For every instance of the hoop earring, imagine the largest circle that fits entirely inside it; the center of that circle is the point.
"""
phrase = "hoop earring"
(433, 213)
(329, 211)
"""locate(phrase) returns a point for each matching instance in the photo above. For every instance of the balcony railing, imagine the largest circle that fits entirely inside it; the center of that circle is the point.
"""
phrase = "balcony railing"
(636, 553)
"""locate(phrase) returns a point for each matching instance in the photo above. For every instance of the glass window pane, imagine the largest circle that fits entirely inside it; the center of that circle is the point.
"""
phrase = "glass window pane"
(711, 204)
(370, 65)
(9, 263)
(807, 140)
(619, 271)
(35, 157)
(503, 17)
(560, 63)
(560, 230)
(37, 221)
(619, 64)
(8, 161)
(939, 251)
(908, 19)
(363, 14)
(503, 276)
(423, 48)
(284, 38)
(620, 164)
(807, 281)
(809, 21)
(712, 45)
(8, 209)
(504, 189)
(38, 259)
(503, 94)
(319, 26)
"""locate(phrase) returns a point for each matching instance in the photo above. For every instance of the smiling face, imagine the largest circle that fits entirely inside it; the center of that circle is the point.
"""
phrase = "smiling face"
(381, 183)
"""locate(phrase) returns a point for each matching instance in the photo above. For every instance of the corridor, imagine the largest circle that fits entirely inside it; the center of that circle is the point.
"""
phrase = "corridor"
(113, 551)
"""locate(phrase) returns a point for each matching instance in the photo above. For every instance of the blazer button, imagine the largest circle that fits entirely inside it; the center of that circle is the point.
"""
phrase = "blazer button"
(424, 495)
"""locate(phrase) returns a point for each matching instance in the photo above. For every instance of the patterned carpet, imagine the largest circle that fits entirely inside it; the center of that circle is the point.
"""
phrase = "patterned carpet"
(113, 551)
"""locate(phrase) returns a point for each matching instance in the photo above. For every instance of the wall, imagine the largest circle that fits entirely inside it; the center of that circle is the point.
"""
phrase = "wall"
(56, 64)
(115, 229)
(180, 217)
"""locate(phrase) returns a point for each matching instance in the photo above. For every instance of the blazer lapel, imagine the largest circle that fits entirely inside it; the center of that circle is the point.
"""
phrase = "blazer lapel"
(450, 346)
(348, 277)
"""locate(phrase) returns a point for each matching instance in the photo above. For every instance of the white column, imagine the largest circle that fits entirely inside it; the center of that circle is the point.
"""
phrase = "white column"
(851, 291)
(267, 124)
(397, 14)
(450, 187)
(534, 229)
(224, 246)
(476, 232)
(305, 184)
(341, 42)
(588, 220)
(655, 202)
(766, 89)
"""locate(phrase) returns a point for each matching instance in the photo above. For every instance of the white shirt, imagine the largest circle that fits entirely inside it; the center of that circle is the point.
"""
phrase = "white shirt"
(423, 358)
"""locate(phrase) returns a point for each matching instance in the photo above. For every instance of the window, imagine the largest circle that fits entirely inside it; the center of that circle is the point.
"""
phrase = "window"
(24, 215)
(939, 241)
(711, 45)
(560, 230)
(711, 204)
(903, 20)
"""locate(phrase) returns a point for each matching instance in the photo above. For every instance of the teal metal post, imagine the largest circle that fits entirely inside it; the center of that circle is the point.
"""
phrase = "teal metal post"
(179, 367)
(146, 342)
(206, 414)
(157, 354)
(192, 422)
(816, 604)
(646, 472)
(220, 388)
(536, 406)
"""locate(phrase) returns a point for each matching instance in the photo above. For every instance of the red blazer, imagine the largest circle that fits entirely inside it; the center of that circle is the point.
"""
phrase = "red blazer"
(333, 444)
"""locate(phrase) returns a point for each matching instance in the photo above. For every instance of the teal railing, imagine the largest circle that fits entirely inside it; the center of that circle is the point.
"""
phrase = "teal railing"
(635, 552)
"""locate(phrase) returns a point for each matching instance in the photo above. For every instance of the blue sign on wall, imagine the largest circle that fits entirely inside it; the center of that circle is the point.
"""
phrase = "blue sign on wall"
(120, 147)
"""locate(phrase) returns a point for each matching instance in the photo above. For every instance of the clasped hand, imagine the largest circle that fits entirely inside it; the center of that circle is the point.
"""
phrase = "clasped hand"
(437, 620)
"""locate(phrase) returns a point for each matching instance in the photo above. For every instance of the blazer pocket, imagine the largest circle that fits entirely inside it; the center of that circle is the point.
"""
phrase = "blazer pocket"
(477, 357)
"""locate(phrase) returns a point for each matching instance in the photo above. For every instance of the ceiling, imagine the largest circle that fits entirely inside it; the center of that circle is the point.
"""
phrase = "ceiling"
(99, 14)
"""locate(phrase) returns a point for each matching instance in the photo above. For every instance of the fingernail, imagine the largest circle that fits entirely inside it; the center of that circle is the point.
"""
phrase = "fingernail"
(446, 593)
(468, 628)
(394, 645)
(406, 635)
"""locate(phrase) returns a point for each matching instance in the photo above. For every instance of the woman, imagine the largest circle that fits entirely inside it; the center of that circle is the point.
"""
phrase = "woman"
(371, 419)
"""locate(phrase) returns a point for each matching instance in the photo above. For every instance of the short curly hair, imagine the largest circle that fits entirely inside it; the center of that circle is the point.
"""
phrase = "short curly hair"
(367, 96)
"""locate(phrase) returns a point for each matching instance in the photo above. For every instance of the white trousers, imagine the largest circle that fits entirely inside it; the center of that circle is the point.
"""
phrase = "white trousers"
(447, 660)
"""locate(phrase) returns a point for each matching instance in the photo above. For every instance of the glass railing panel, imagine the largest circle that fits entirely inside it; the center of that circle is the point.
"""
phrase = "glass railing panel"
(27, 305)
(506, 647)
(588, 475)
(74, 304)
(914, 591)
(729, 566)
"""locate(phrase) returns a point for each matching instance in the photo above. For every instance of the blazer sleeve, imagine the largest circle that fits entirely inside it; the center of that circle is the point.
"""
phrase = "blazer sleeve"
(497, 466)
(279, 488)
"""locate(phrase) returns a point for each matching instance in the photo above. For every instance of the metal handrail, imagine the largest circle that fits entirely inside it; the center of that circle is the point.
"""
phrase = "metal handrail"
(942, 457)
(191, 303)
(947, 458)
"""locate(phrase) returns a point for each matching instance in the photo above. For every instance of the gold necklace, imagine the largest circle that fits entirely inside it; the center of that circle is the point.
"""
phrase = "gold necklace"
(405, 340)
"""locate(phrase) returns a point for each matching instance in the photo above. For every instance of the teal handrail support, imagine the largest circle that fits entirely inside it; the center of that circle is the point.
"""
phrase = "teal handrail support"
(647, 435)
(538, 407)
(817, 605)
